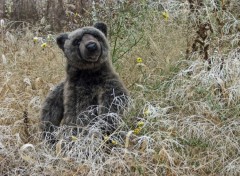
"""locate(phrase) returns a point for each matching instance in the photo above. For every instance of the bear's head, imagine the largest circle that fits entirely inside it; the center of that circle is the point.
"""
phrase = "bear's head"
(85, 48)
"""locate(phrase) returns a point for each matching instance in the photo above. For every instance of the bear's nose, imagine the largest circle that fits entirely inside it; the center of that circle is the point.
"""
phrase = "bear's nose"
(91, 46)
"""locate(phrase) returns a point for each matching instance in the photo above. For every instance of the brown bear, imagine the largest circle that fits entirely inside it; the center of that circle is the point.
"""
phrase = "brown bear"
(91, 90)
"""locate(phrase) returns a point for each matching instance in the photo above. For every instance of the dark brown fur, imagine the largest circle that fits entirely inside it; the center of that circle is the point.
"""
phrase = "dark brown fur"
(91, 83)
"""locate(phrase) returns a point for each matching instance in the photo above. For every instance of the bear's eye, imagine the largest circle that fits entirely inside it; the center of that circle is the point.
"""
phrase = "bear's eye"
(76, 42)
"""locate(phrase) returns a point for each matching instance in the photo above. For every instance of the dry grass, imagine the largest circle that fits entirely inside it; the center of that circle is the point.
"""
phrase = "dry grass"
(183, 120)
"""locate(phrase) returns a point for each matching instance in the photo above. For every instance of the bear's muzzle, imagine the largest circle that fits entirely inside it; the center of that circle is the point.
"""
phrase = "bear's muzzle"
(91, 46)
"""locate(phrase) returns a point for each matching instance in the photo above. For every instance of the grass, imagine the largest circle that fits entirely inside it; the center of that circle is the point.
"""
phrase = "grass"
(189, 111)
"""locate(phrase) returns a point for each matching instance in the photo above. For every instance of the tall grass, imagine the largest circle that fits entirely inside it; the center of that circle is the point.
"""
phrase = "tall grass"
(185, 109)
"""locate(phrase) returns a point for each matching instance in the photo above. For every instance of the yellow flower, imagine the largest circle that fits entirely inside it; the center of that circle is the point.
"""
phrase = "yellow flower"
(165, 15)
(140, 124)
(44, 45)
(147, 112)
(106, 138)
(35, 39)
(139, 60)
(74, 138)
(137, 130)
(114, 142)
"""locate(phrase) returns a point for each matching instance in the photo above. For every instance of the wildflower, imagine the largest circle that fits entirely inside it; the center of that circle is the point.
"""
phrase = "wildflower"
(150, 110)
(147, 112)
(74, 138)
(137, 130)
(106, 138)
(35, 39)
(165, 15)
(140, 124)
(44, 45)
(114, 142)
(139, 60)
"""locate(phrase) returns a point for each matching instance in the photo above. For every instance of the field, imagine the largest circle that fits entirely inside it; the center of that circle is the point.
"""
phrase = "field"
(180, 61)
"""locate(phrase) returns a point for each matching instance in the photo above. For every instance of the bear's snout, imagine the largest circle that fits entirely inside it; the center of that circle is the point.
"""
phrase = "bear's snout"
(91, 46)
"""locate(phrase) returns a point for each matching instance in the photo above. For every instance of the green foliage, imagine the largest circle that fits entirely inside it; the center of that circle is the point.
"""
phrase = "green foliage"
(126, 27)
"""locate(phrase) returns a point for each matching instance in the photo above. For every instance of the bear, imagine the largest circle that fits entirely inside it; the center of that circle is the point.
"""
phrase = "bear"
(91, 90)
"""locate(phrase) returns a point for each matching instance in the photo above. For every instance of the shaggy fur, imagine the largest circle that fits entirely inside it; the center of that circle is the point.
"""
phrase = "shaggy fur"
(91, 83)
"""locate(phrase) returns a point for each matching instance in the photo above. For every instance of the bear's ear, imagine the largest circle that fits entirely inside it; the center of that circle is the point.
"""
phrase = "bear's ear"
(61, 40)
(102, 27)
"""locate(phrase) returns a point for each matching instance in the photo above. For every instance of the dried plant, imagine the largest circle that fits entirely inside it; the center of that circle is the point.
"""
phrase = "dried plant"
(184, 114)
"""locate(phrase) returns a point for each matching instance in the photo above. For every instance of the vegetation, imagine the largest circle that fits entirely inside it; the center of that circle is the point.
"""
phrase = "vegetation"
(179, 59)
